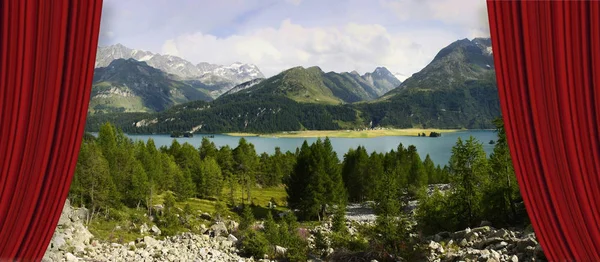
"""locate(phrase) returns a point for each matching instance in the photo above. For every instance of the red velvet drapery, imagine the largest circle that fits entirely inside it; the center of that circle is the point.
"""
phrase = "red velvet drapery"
(547, 57)
(47, 53)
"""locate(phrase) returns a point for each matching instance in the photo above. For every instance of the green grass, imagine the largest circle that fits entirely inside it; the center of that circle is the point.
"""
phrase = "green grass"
(130, 103)
(119, 229)
(105, 229)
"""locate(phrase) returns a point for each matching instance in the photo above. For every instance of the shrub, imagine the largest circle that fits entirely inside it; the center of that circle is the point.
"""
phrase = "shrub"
(433, 214)
(254, 244)
(247, 218)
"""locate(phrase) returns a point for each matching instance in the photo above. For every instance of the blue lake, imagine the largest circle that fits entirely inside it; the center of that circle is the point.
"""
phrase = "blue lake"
(439, 148)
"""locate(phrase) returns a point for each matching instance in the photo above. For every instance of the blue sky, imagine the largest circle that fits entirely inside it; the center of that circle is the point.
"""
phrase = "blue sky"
(402, 35)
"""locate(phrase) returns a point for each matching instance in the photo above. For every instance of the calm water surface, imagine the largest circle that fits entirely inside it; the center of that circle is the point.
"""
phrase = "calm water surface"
(439, 148)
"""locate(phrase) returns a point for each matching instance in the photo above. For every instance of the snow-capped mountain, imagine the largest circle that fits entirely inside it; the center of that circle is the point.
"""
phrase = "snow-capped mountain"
(223, 76)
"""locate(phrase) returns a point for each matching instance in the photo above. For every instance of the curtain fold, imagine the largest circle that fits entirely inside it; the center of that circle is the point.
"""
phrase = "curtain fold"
(47, 57)
(548, 73)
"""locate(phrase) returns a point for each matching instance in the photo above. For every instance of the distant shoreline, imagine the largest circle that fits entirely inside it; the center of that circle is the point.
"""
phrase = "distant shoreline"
(350, 133)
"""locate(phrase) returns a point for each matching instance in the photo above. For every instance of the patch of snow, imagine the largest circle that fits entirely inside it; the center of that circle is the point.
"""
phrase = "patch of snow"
(146, 57)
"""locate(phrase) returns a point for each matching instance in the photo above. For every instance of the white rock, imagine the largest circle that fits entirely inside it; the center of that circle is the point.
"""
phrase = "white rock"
(434, 245)
(70, 257)
(280, 250)
(155, 230)
(58, 241)
(514, 258)
(232, 238)
(150, 242)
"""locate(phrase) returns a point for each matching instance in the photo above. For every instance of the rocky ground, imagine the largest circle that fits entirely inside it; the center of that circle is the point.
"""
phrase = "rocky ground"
(485, 243)
(73, 242)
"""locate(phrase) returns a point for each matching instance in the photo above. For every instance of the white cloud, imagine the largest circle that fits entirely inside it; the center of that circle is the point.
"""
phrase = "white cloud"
(352, 46)
(470, 15)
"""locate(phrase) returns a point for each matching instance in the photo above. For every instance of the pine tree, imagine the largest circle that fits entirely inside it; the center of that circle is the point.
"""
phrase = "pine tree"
(271, 229)
(430, 170)
(184, 185)
(247, 219)
(468, 168)
(338, 224)
(388, 194)
(417, 177)
(246, 163)
(170, 170)
(335, 193)
(503, 188)
(297, 185)
(108, 143)
(211, 182)
(137, 184)
(356, 174)
(226, 163)
(208, 149)
(92, 185)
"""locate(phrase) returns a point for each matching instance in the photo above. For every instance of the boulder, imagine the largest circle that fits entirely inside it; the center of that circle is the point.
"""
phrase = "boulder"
(490, 241)
(70, 257)
(483, 229)
(433, 245)
(150, 242)
(80, 235)
(501, 233)
(155, 230)
(514, 258)
(64, 217)
(232, 225)
(523, 245)
(471, 236)
(232, 238)
(144, 229)
(280, 250)
(58, 242)
(495, 255)
(218, 229)
(500, 245)
(79, 214)
(460, 234)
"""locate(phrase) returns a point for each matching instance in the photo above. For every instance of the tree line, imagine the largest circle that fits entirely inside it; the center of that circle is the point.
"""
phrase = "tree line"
(114, 171)
(471, 105)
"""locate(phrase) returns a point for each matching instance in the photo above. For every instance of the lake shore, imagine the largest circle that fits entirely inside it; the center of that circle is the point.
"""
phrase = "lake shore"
(351, 133)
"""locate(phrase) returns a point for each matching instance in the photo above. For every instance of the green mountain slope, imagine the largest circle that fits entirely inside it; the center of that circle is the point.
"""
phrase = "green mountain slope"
(459, 62)
(312, 85)
(133, 86)
(456, 90)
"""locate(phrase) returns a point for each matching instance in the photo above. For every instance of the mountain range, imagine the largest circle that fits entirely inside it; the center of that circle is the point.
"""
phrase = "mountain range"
(457, 89)
(312, 85)
(221, 77)
(129, 80)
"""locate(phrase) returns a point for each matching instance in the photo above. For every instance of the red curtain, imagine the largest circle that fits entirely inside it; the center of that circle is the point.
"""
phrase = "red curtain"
(47, 53)
(547, 57)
